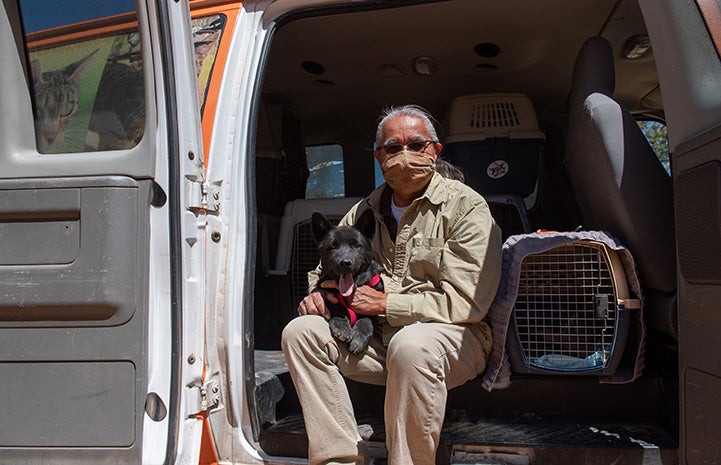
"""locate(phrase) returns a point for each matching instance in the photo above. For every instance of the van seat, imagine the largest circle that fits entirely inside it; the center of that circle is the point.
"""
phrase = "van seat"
(621, 186)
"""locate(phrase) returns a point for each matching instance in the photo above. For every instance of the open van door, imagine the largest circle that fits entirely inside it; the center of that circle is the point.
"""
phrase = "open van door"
(102, 234)
(686, 39)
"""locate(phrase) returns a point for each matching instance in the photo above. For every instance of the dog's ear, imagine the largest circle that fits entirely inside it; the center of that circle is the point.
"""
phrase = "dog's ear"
(366, 223)
(320, 225)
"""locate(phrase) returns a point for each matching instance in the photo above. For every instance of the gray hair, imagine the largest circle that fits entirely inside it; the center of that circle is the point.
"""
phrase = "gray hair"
(407, 110)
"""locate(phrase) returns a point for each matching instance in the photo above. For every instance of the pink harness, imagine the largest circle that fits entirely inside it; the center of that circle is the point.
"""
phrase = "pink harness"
(351, 313)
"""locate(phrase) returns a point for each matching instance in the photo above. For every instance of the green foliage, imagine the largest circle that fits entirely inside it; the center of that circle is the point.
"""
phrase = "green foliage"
(657, 135)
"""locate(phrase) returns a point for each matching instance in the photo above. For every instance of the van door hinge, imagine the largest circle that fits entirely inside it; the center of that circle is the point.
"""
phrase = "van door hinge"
(203, 398)
(212, 196)
(203, 196)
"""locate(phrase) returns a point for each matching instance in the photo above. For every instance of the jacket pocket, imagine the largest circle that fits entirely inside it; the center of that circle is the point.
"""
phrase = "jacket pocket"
(425, 258)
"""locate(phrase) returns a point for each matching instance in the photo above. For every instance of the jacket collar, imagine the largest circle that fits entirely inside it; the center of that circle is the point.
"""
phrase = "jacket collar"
(436, 193)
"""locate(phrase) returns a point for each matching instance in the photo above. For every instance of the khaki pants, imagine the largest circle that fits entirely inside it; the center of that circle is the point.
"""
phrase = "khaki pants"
(421, 363)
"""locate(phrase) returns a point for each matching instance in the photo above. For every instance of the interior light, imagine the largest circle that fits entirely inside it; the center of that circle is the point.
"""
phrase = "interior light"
(389, 70)
(637, 46)
(313, 67)
(424, 66)
(487, 50)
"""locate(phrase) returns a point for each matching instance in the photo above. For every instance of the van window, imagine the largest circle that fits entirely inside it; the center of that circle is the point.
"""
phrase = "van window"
(657, 136)
(207, 31)
(326, 174)
(377, 174)
(86, 83)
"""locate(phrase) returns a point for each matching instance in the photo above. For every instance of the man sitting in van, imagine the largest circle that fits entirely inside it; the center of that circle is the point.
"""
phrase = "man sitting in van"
(441, 255)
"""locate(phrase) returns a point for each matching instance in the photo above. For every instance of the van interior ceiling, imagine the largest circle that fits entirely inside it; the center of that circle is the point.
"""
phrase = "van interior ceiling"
(329, 74)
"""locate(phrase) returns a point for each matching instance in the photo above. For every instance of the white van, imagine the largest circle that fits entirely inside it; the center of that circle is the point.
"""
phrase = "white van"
(160, 161)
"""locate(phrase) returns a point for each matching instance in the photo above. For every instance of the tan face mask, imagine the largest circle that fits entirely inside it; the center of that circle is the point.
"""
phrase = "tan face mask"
(408, 172)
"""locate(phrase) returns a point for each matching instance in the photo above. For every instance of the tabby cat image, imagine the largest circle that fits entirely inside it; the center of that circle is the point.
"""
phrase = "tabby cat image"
(56, 101)
(117, 120)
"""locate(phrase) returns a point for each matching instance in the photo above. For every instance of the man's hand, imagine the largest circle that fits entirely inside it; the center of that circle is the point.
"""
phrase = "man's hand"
(364, 301)
(314, 304)
(367, 301)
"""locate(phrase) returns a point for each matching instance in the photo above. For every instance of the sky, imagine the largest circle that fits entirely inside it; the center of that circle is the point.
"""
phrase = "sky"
(43, 14)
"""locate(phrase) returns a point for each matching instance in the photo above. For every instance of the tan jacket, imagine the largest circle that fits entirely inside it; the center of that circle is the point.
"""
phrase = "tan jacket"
(445, 262)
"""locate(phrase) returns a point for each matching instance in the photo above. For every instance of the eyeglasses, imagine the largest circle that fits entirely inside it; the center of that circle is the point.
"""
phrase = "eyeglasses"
(415, 146)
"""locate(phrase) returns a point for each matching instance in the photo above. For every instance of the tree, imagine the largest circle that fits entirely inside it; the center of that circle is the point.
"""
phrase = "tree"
(657, 135)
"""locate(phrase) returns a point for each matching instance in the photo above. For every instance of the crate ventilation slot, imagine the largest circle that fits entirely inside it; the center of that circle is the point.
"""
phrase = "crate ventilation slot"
(494, 115)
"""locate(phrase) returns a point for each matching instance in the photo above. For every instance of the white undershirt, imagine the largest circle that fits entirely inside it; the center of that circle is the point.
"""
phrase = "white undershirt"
(397, 211)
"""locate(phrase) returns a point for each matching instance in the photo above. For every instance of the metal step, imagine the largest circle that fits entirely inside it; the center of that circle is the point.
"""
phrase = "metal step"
(493, 441)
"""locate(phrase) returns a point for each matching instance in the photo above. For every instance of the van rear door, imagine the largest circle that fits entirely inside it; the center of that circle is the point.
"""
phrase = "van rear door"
(686, 38)
(101, 233)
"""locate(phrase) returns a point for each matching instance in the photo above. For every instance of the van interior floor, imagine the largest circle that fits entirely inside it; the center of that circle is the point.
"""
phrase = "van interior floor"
(546, 419)
(553, 442)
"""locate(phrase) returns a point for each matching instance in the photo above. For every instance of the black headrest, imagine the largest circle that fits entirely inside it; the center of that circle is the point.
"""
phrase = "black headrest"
(593, 70)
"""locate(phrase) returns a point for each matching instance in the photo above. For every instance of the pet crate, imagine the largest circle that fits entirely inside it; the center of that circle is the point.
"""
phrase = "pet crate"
(571, 313)
(297, 252)
(495, 140)
(305, 257)
(510, 214)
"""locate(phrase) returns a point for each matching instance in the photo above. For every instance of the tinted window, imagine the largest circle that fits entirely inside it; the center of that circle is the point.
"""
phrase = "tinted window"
(377, 173)
(657, 136)
(206, 38)
(85, 73)
(326, 177)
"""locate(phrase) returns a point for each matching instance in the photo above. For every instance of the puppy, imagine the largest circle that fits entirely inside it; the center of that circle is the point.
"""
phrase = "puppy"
(346, 256)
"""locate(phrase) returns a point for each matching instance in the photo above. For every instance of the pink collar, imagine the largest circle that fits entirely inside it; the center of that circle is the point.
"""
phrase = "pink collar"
(374, 280)
(351, 313)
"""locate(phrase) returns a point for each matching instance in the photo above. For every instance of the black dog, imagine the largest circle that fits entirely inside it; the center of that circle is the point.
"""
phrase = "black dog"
(346, 256)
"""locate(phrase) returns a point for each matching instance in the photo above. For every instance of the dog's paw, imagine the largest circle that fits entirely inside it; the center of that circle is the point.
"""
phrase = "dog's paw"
(362, 333)
(358, 344)
(340, 329)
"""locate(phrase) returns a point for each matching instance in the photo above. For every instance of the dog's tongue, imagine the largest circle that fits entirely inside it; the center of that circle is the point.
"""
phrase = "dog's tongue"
(346, 284)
